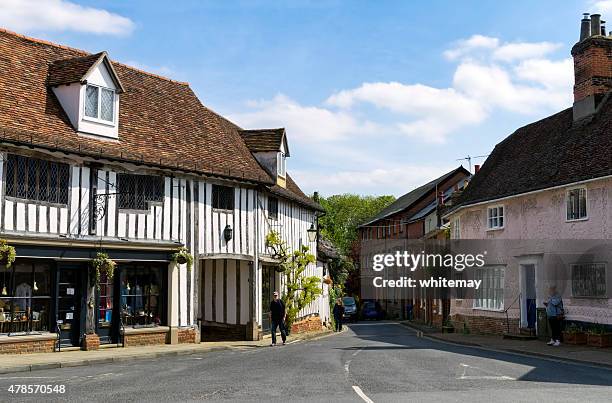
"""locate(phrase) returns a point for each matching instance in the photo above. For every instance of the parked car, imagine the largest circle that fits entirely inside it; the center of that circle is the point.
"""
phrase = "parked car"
(372, 310)
(350, 309)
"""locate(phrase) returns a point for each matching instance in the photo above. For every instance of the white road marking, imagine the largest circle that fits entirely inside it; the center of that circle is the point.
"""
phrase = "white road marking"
(346, 365)
(497, 377)
(362, 395)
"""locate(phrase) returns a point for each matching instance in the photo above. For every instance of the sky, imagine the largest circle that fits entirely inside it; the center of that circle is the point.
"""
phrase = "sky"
(378, 97)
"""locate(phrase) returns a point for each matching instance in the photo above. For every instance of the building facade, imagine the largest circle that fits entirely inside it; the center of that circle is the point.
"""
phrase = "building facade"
(99, 157)
(547, 191)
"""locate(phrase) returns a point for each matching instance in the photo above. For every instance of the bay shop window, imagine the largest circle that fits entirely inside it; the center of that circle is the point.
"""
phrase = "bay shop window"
(25, 298)
(143, 296)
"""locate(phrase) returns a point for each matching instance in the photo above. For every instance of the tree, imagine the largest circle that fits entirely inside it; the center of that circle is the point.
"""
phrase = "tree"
(344, 213)
(300, 290)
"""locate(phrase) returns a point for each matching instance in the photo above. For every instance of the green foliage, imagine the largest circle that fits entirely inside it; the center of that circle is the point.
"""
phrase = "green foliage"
(344, 213)
(598, 328)
(573, 328)
(182, 256)
(7, 253)
(102, 263)
(300, 290)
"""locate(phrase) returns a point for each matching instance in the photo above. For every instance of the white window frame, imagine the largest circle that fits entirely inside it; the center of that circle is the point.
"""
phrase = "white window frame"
(586, 204)
(491, 227)
(98, 119)
(281, 165)
(488, 274)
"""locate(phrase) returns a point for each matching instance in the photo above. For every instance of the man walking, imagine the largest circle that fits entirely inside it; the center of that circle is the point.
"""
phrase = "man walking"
(277, 318)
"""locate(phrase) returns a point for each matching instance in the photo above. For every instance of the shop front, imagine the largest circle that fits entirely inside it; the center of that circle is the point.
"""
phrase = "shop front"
(49, 299)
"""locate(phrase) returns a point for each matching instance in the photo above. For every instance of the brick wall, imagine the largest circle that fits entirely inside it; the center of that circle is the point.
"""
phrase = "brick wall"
(310, 324)
(188, 335)
(27, 347)
(145, 339)
(592, 67)
(222, 332)
(484, 324)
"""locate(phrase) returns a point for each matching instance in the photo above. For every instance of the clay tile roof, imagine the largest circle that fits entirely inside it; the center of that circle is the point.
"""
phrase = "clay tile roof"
(552, 152)
(406, 201)
(71, 70)
(261, 140)
(161, 122)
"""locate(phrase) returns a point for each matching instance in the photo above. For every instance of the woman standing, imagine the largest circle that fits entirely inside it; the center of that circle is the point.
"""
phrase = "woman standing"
(554, 312)
(338, 313)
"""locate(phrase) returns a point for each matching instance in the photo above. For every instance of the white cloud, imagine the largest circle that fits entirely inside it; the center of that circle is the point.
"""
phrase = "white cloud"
(424, 105)
(470, 45)
(603, 6)
(524, 50)
(305, 123)
(61, 15)
(396, 179)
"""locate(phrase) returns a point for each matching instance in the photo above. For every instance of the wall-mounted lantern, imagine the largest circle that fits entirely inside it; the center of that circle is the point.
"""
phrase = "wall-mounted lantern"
(312, 233)
(228, 232)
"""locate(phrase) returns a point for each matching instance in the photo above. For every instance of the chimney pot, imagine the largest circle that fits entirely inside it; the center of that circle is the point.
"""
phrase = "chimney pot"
(595, 24)
(603, 28)
(585, 27)
(476, 168)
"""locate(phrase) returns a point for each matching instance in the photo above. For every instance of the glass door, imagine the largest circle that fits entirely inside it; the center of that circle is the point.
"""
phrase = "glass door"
(69, 305)
(104, 325)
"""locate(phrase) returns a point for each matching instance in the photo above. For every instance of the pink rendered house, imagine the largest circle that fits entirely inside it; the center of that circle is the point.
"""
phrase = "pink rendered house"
(550, 182)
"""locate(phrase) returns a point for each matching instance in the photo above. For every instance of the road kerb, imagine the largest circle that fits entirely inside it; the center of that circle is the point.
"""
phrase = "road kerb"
(522, 353)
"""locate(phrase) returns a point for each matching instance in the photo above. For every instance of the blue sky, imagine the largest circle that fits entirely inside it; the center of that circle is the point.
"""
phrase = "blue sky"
(377, 96)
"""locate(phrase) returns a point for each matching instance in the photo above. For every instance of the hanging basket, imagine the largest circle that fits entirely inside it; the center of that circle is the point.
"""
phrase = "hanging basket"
(183, 257)
(7, 254)
(103, 264)
(327, 280)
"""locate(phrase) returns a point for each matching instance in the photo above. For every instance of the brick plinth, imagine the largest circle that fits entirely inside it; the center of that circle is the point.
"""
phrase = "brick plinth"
(27, 345)
(310, 324)
(91, 342)
(484, 324)
(188, 335)
(145, 337)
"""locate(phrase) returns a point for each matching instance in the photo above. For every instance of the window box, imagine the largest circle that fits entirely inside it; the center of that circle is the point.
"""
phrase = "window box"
(575, 337)
(599, 340)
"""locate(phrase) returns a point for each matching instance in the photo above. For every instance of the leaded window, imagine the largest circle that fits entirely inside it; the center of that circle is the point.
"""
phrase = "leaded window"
(137, 192)
(91, 101)
(273, 208)
(99, 103)
(223, 197)
(37, 179)
(589, 280)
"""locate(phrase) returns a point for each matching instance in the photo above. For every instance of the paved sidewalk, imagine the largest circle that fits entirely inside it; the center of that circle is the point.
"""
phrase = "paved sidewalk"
(581, 354)
(38, 361)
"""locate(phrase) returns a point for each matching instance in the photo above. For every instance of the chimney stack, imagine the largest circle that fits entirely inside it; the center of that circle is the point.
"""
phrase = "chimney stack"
(476, 169)
(592, 66)
(585, 27)
(595, 24)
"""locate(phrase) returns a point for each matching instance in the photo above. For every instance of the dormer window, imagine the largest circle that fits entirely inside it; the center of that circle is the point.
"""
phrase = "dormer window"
(282, 164)
(88, 90)
(99, 103)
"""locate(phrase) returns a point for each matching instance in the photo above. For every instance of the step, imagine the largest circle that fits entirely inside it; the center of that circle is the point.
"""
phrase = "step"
(518, 336)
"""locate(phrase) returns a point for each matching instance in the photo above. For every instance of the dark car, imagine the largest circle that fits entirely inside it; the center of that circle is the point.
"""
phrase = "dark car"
(350, 308)
(371, 310)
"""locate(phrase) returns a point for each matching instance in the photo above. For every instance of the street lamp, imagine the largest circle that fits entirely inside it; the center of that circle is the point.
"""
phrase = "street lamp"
(312, 233)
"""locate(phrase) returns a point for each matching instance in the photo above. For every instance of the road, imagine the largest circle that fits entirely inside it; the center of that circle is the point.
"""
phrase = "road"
(372, 362)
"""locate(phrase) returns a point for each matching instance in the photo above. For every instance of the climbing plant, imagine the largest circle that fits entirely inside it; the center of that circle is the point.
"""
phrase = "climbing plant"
(300, 290)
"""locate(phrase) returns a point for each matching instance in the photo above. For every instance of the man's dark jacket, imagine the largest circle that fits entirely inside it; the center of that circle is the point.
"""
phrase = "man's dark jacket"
(277, 310)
